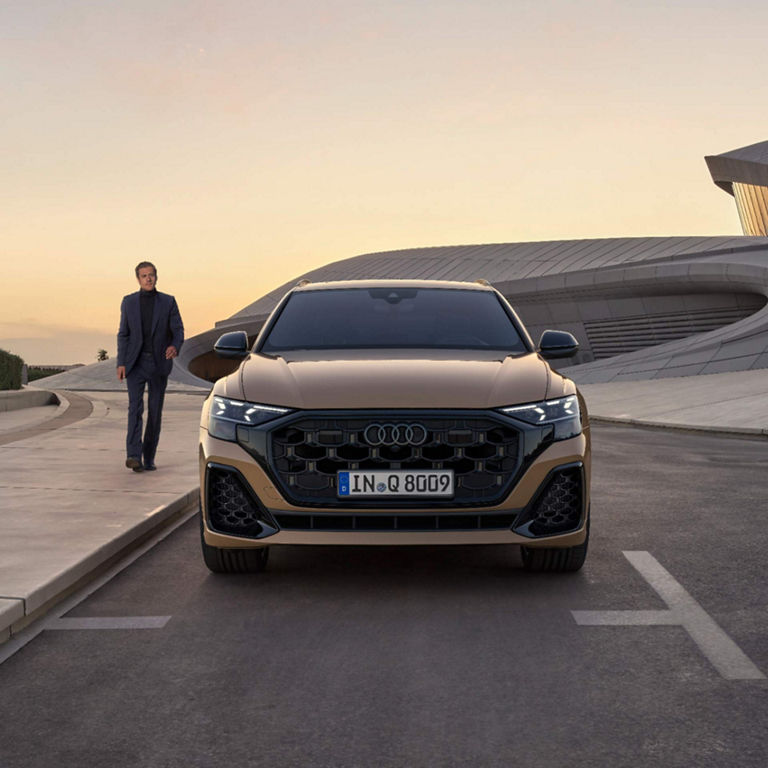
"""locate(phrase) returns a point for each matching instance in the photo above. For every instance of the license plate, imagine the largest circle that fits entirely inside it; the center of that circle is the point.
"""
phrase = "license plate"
(397, 482)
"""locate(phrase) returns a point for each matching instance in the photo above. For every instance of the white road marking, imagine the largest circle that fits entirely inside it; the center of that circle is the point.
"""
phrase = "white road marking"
(729, 660)
(625, 618)
(110, 622)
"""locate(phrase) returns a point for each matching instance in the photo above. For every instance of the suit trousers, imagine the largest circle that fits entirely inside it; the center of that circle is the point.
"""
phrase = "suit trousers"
(145, 373)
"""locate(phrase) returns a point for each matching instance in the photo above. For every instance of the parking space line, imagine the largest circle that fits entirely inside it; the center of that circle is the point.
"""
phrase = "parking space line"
(109, 622)
(625, 618)
(729, 660)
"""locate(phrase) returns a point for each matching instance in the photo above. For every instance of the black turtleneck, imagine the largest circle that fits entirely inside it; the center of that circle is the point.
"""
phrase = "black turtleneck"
(147, 303)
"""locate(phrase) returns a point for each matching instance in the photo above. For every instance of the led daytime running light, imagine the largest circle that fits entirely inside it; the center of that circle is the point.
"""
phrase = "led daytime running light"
(546, 412)
(241, 412)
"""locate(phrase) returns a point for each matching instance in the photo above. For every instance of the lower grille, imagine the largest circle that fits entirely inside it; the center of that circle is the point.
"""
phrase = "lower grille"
(308, 453)
(558, 509)
(488, 522)
(231, 508)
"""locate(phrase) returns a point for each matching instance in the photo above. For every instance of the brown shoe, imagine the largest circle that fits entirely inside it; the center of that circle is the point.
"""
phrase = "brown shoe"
(135, 464)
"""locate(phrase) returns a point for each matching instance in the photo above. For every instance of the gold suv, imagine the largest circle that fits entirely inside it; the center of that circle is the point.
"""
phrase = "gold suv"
(394, 412)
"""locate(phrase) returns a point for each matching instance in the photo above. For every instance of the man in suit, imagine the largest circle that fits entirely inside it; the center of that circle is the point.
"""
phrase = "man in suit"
(150, 336)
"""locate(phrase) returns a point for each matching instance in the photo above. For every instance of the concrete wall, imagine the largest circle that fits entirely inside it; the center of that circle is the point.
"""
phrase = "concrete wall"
(15, 400)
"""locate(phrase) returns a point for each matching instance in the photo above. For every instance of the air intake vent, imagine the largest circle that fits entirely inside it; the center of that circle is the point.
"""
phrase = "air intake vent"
(499, 521)
(231, 508)
(558, 508)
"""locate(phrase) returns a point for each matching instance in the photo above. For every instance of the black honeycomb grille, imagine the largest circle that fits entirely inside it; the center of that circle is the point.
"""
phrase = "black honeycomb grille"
(558, 509)
(231, 509)
(483, 453)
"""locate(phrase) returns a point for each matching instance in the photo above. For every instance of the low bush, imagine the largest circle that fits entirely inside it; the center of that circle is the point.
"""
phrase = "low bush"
(33, 374)
(10, 370)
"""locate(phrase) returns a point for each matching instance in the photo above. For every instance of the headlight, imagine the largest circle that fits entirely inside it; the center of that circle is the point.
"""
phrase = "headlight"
(563, 414)
(226, 414)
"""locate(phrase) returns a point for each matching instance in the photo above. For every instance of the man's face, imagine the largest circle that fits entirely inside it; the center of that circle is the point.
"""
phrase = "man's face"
(147, 278)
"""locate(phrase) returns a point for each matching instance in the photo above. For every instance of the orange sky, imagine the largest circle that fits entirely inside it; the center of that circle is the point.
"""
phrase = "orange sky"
(238, 144)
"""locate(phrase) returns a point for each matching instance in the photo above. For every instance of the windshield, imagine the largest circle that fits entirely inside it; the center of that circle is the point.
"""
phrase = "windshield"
(393, 318)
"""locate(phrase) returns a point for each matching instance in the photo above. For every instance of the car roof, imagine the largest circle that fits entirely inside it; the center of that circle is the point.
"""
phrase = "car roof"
(393, 283)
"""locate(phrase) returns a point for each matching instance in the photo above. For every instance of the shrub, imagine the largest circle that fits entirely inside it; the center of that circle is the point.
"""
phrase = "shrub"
(10, 370)
(33, 374)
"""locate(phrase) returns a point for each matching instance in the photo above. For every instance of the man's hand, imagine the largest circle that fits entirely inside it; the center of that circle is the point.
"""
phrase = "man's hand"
(120, 372)
(170, 353)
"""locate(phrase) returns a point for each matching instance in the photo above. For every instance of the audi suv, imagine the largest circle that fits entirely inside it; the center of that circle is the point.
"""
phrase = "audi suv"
(394, 412)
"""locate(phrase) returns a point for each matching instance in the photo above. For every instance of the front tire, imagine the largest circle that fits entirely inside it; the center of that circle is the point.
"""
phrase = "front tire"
(221, 560)
(555, 559)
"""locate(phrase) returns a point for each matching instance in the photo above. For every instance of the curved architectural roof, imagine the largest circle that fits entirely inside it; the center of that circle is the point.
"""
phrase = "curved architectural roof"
(500, 263)
(641, 307)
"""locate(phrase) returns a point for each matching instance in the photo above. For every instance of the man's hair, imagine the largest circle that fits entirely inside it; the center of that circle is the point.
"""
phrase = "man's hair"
(143, 264)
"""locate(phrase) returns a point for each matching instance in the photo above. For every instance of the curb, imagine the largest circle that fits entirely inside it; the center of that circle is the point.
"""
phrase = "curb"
(67, 412)
(18, 612)
(735, 431)
(19, 399)
(57, 406)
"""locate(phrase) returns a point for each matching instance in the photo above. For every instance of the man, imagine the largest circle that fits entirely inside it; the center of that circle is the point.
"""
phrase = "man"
(150, 336)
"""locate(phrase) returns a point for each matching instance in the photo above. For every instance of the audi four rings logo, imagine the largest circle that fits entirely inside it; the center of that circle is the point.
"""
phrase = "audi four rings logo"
(395, 434)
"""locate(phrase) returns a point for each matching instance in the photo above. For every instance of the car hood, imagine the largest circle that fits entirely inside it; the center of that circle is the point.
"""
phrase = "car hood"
(411, 380)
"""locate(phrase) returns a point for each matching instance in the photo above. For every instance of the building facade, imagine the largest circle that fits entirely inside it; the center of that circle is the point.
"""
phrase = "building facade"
(743, 173)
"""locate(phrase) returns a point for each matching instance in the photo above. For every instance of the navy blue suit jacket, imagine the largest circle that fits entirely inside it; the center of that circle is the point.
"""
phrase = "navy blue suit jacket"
(167, 331)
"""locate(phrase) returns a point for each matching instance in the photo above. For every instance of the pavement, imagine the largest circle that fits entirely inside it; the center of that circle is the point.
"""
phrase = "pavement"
(69, 508)
(720, 402)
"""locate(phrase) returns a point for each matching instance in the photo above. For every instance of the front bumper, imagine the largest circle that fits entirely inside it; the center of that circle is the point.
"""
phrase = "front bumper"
(508, 522)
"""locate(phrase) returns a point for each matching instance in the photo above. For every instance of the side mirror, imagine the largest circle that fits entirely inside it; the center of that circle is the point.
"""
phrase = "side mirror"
(232, 345)
(557, 344)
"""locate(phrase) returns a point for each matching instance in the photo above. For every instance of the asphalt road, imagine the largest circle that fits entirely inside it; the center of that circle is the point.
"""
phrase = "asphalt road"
(428, 656)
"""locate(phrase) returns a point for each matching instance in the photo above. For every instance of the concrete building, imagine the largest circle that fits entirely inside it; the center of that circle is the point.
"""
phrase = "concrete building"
(743, 173)
(641, 308)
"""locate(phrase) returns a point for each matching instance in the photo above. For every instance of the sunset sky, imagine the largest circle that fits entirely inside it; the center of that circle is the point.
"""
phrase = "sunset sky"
(238, 144)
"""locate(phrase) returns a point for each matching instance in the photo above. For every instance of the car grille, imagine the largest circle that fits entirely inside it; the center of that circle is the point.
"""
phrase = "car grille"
(482, 452)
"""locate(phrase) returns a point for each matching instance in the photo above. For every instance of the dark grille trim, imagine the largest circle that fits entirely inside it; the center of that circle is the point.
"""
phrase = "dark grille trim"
(261, 522)
(501, 521)
(510, 473)
(533, 521)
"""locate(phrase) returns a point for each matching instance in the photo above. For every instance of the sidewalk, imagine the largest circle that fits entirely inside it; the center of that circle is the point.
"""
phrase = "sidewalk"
(720, 402)
(68, 505)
